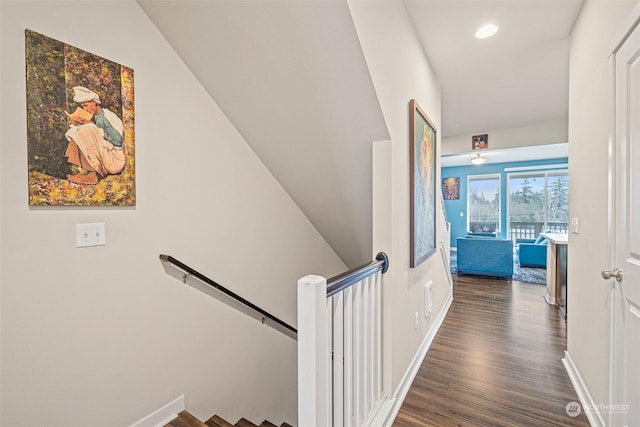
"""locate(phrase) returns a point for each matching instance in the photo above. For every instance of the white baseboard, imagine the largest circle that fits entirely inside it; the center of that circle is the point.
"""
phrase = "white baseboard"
(390, 410)
(382, 416)
(163, 415)
(588, 405)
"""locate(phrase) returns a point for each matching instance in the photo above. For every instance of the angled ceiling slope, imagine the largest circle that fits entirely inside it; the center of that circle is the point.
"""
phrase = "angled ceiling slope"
(292, 78)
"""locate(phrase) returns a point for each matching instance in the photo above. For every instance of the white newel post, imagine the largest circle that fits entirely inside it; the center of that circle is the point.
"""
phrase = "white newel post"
(313, 350)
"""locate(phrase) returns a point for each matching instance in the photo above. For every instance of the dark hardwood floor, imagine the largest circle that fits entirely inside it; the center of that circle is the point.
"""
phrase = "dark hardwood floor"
(494, 362)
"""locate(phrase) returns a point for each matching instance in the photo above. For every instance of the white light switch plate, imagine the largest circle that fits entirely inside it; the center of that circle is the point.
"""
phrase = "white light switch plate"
(90, 235)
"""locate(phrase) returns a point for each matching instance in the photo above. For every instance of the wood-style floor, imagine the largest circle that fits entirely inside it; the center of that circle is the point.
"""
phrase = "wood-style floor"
(494, 362)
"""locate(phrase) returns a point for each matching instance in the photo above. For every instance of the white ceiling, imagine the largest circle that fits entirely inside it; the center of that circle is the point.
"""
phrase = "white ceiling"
(291, 77)
(518, 77)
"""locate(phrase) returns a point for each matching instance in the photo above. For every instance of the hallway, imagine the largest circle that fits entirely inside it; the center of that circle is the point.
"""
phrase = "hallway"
(496, 361)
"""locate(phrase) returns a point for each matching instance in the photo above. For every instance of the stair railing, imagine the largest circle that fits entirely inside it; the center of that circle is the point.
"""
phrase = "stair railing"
(444, 210)
(340, 347)
(230, 298)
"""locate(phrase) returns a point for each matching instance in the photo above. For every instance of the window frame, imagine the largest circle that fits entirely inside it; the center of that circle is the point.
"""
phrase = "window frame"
(485, 177)
(542, 173)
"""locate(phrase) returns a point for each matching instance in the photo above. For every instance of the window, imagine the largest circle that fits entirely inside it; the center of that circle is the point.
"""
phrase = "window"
(483, 204)
(557, 199)
(538, 201)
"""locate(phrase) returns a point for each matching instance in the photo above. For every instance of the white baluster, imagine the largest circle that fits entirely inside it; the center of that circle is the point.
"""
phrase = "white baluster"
(349, 375)
(365, 348)
(378, 351)
(371, 321)
(329, 355)
(357, 353)
(338, 359)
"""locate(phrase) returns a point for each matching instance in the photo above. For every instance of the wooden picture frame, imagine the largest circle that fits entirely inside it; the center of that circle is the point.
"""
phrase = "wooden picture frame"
(423, 137)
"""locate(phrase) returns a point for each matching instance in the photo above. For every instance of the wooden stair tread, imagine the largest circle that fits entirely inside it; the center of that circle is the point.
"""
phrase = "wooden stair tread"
(185, 419)
(216, 421)
(242, 422)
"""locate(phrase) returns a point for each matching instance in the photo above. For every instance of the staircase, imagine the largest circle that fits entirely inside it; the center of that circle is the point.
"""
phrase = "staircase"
(185, 419)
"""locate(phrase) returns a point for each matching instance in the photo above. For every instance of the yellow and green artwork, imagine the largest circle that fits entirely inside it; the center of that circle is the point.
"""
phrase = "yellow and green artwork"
(423, 176)
(80, 126)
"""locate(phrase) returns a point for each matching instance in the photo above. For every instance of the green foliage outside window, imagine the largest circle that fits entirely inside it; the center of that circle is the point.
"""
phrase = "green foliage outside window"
(542, 197)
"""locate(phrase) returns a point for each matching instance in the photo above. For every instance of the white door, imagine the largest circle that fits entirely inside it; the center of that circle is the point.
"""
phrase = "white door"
(624, 408)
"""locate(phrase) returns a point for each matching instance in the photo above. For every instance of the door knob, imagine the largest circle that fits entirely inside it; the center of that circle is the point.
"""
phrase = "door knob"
(608, 274)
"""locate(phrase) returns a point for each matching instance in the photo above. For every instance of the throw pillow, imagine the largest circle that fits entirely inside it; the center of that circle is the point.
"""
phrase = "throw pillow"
(541, 240)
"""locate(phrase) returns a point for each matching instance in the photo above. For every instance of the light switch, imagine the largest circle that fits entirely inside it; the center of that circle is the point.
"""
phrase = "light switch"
(461, 213)
(90, 235)
(575, 225)
(428, 298)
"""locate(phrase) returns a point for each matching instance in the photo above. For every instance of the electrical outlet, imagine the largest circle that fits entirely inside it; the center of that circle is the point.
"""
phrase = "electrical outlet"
(575, 225)
(416, 321)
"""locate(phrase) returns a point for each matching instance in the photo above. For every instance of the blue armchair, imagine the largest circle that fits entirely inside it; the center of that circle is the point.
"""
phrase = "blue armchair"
(532, 252)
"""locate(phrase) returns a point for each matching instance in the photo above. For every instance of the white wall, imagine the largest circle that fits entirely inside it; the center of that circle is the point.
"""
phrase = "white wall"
(590, 124)
(551, 132)
(1, 226)
(400, 71)
(103, 335)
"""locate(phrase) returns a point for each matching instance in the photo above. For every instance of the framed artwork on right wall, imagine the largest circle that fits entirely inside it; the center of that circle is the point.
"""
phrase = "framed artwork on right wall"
(422, 176)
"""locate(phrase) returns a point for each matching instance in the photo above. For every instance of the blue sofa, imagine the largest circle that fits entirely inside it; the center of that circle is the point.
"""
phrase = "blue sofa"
(485, 256)
(532, 252)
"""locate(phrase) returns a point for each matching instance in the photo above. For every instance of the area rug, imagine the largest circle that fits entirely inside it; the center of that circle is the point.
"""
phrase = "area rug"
(521, 274)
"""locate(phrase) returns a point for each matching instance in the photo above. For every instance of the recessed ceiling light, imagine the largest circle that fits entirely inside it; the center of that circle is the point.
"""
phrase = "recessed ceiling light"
(486, 31)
